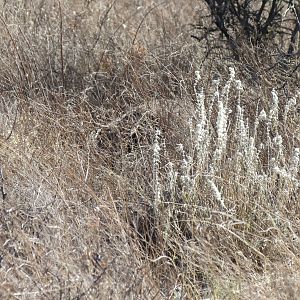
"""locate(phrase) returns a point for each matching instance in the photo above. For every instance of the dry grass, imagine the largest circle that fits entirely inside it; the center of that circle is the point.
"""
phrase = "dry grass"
(99, 204)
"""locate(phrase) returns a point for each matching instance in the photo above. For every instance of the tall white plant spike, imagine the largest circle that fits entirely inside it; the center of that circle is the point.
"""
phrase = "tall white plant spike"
(202, 144)
(226, 89)
(278, 143)
(243, 135)
(221, 131)
(200, 97)
(251, 158)
(201, 128)
(231, 73)
(262, 116)
(239, 87)
(156, 165)
(185, 168)
(289, 105)
(172, 178)
(197, 76)
(217, 194)
(274, 108)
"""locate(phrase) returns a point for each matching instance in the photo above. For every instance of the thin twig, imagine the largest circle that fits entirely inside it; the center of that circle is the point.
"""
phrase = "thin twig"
(143, 19)
(61, 48)
(2, 188)
(13, 125)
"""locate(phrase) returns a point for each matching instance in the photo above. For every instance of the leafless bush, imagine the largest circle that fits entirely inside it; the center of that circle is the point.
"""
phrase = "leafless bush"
(128, 175)
(262, 35)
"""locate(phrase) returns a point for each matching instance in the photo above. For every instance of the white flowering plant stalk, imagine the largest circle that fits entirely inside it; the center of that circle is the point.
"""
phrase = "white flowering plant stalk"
(233, 170)
(212, 152)
(156, 166)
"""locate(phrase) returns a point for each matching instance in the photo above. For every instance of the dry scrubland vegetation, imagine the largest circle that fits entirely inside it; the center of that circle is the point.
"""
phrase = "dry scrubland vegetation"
(130, 177)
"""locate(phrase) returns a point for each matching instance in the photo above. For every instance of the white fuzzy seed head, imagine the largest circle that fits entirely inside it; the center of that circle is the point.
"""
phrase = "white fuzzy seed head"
(278, 140)
(156, 146)
(180, 148)
(262, 116)
(156, 165)
(239, 86)
(232, 73)
(273, 115)
(221, 130)
(217, 194)
(289, 106)
(197, 76)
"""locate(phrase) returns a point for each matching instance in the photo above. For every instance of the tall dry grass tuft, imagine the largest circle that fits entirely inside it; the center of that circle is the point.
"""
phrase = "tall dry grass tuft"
(133, 171)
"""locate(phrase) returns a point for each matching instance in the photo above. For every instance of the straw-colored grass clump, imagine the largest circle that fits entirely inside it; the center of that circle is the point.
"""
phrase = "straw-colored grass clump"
(136, 169)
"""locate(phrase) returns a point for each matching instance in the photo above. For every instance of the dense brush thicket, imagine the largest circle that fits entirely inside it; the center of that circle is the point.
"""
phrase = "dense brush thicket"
(138, 164)
(262, 36)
